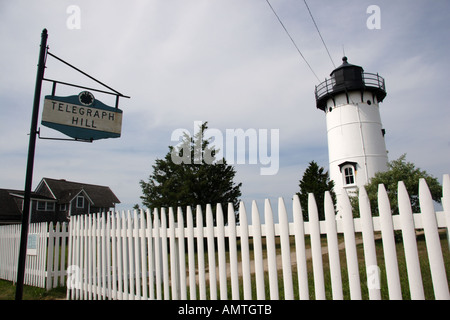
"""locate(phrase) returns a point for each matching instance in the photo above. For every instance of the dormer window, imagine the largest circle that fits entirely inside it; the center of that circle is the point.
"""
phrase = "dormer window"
(348, 170)
(80, 202)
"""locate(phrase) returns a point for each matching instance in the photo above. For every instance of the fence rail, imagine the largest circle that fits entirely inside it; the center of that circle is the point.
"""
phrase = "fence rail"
(162, 255)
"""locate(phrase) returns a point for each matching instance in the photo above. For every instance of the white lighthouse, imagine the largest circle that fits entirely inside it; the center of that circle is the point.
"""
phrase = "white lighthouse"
(356, 146)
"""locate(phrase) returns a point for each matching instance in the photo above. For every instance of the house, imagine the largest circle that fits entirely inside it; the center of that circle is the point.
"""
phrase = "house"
(56, 200)
(11, 205)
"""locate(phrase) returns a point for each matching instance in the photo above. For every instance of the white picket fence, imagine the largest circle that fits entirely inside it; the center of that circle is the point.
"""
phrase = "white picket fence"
(45, 265)
(139, 255)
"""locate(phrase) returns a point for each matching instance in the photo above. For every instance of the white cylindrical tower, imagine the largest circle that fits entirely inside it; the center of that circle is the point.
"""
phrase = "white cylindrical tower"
(356, 146)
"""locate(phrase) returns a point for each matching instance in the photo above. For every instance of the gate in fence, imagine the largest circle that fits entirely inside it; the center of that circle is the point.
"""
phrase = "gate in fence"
(162, 255)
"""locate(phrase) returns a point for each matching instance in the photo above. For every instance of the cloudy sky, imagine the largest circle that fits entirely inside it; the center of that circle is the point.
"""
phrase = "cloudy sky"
(228, 62)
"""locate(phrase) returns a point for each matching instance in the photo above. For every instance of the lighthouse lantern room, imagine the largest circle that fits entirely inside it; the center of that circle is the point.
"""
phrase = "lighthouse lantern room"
(356, 145)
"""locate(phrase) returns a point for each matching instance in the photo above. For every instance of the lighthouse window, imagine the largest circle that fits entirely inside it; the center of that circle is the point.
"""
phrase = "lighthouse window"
(349, 175)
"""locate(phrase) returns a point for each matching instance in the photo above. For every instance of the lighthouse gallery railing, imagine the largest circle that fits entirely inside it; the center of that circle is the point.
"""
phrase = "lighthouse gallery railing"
(369, 80)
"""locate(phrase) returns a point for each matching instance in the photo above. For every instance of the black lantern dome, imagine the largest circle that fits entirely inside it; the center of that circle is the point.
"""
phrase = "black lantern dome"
(346, 78)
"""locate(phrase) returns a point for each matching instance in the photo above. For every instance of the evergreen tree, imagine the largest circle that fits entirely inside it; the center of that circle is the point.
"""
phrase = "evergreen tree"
(315, 180)
(190, 175)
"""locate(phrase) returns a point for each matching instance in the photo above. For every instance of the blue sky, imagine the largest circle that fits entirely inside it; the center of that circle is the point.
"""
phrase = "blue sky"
(228, 62)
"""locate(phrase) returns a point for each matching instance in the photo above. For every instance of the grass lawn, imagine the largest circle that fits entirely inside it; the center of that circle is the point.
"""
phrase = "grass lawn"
(8, 292)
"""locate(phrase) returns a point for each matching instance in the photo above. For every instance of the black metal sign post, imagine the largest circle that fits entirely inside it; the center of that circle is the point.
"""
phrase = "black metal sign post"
(30, 165)
(32, 146)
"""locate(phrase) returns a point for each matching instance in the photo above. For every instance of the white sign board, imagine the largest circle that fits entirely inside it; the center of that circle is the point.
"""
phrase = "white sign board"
(32, 244)
(94, 121)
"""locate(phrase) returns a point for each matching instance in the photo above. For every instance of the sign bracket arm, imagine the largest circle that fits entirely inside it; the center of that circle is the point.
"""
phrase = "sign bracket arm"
(62, 139)
(81, 87)
(84, 73)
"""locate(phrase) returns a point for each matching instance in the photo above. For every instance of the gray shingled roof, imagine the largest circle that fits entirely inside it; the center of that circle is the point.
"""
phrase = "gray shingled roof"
(9, 210)
(64, 191)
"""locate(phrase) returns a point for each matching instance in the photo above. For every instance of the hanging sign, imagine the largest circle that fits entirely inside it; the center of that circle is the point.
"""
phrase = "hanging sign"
(82, 117)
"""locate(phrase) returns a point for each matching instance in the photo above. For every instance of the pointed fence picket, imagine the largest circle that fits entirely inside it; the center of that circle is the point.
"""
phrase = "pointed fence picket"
(369, 246)
(390, 254)
(410, 245)
(162, 255)
(316, 248)
(299, 233)
(333, 251)
(258, 253)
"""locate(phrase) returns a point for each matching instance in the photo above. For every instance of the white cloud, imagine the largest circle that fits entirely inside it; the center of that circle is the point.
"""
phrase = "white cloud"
(228, 62)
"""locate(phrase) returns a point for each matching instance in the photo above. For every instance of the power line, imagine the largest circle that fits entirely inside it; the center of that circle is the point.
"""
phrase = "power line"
(287, 32)
(317, 28)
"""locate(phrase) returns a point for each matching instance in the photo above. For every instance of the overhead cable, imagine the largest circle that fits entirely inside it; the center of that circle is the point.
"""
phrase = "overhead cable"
(318, 31)
(287, 32)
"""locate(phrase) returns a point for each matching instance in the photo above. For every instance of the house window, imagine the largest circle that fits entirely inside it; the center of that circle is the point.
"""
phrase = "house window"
(349, 175)
(41, 206)
(63, 207)
(45, 206)
(80, 202)
(49, 206)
